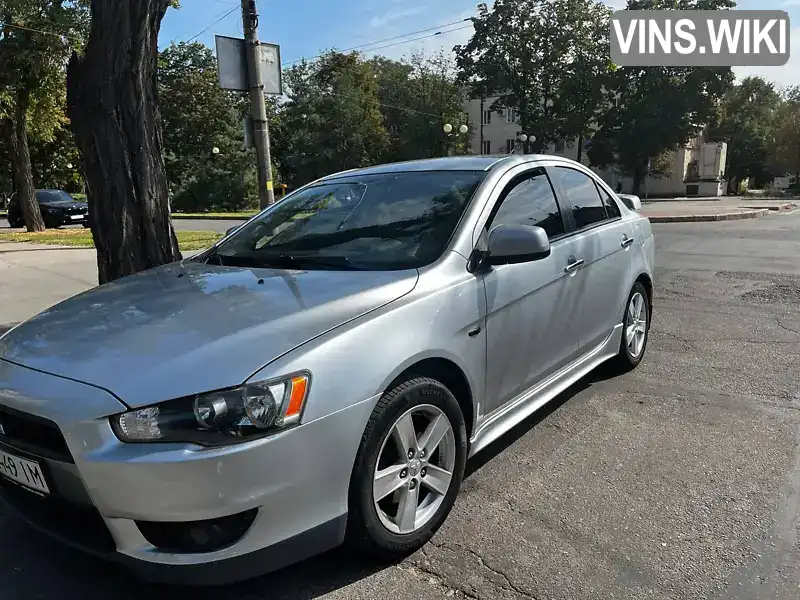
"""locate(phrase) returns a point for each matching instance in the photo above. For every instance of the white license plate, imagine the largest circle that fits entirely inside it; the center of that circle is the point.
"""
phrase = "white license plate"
(76, 217)
(25, 472)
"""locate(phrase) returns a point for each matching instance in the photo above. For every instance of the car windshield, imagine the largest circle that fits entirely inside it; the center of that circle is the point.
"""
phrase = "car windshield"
(50, 196)
(384, 221)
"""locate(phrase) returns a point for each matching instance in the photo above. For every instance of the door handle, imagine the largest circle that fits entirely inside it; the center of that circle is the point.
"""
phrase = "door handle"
(573, 266)
(626, 241)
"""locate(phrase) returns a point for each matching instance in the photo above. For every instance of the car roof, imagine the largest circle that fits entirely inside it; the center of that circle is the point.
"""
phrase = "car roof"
(450, 163)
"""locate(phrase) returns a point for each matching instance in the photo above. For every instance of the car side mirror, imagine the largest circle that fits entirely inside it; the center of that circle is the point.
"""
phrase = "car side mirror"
(509, 244)
(631, 201)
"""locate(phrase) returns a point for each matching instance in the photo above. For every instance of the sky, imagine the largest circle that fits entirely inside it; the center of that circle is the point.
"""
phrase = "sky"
(303, 28)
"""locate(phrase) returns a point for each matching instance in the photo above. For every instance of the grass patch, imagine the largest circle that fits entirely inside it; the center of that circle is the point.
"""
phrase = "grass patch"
(82, 238)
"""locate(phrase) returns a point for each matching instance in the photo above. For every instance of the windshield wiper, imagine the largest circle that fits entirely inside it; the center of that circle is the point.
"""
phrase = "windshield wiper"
(341, 262)
(282, 261)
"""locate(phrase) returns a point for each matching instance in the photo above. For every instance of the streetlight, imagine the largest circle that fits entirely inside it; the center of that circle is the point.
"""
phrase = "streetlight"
(524, 137)
(448, 130)
(215, 151)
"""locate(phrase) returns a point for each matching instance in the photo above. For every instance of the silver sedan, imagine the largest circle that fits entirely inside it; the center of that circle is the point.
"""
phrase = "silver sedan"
(324, 372)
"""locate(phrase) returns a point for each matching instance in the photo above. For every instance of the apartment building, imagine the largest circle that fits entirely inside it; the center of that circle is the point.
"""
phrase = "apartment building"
(698, 167)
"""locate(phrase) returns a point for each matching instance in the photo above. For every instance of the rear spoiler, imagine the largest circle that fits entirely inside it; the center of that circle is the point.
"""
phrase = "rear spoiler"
(631, 201)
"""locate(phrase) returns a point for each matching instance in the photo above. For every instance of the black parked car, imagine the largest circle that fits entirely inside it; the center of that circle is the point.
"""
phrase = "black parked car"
(58, 208)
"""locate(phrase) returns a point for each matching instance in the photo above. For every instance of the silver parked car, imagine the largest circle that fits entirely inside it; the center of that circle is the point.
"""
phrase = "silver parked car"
(324, 372)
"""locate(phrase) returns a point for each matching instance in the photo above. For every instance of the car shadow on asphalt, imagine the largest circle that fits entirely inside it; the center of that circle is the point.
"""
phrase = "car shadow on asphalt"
(74, 575)
(601, 373)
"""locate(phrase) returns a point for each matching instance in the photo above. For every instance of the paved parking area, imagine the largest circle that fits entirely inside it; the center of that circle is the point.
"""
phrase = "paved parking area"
(679, 480)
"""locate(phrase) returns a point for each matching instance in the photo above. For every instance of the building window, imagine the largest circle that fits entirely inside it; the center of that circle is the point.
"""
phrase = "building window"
(487, 117)
(487, 147)
(511, 115)
(510, 144)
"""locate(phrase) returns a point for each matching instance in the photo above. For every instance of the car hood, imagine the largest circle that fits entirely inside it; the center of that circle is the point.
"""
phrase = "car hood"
(189, 328)
(64, 204)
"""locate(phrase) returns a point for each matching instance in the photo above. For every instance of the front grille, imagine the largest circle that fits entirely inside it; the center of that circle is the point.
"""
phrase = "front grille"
(33, 434)
(78, 525)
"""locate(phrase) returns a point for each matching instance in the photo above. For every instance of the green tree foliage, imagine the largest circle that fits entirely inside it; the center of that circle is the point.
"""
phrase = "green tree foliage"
(658, 108)
(749, 125)
(199, 116)
(544, 58)
(332, 119)
(786, 153)
(36, 38)
(417, 98)
(583, 94)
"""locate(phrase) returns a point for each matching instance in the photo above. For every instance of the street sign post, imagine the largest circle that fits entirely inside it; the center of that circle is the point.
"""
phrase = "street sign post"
(232, 65)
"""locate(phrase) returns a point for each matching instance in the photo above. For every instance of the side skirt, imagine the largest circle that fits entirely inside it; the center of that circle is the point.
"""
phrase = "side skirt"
(504, 418)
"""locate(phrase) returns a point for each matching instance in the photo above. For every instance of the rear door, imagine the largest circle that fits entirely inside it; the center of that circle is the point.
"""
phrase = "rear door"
(603, 240)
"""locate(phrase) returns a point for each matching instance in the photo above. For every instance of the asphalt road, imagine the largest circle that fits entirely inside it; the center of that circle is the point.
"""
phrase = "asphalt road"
(680, 480)
(182, 224)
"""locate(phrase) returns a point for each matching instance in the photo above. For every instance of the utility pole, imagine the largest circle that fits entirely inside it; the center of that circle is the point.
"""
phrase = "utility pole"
(258, 104)
(481, 152)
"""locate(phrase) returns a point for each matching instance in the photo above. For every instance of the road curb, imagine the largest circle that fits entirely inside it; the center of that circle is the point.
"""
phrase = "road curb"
(214, 218)
(774, 208)
(730, 216)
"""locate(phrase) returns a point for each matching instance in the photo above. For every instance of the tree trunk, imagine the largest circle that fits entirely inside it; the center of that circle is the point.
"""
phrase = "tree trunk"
(580, 148)
(113, 105)
(638, 177)
(21, 159)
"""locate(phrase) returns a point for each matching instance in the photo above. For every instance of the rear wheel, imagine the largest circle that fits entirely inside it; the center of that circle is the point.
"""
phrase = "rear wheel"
(636, 329)
(408, 469)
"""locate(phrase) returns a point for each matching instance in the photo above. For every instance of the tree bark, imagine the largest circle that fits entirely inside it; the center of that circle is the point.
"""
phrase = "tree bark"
(580, 148)
(21, 159)
(638, 177)
(112, 102)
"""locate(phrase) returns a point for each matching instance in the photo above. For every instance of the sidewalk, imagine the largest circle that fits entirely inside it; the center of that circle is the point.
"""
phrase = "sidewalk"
(33, 277)
(721, 209)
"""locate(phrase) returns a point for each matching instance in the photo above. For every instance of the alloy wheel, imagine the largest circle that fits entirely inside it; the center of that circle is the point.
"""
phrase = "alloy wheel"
(636, 325)
(414, 469)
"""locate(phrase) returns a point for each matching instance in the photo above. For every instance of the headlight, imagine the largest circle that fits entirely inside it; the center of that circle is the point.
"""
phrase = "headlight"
(219, 418)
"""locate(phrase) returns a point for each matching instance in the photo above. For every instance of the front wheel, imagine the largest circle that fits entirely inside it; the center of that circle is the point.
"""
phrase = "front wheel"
(408, 469)
(636, 329)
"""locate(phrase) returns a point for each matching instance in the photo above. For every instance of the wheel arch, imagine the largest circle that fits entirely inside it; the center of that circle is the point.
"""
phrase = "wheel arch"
(647, 282)
(449, 373)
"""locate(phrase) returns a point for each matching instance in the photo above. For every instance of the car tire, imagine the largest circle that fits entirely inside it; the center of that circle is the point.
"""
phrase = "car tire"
(637, 314)
(16, 224)
(370, 527)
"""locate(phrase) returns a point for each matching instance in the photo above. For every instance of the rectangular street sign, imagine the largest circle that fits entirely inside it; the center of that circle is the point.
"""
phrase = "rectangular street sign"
(232, 65)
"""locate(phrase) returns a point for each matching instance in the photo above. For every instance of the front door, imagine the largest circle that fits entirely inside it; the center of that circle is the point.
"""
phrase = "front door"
(603, 240)
(533, 308)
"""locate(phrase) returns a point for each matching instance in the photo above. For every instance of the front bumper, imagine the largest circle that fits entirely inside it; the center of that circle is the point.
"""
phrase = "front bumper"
(295, 484)
(60, 219)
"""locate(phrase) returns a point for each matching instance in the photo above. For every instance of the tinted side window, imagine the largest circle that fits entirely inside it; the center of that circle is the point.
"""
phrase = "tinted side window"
(529, 200)
(612, 210)
(582, 193)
